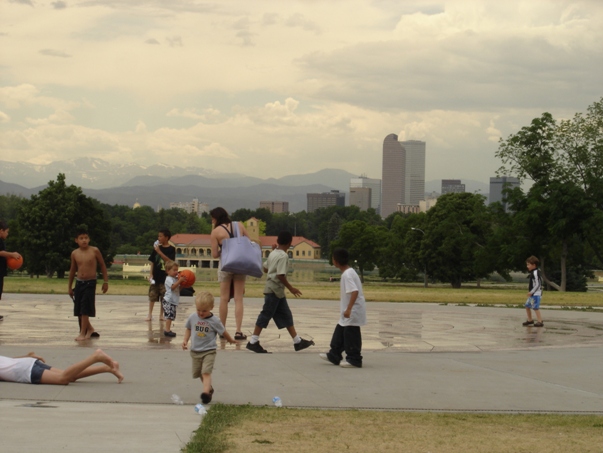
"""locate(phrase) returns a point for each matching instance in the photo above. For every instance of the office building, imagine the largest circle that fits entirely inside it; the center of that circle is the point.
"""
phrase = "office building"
(191, 206)
(361, 197)
(325, 199)
(403, 173)
(275, 207)
(452, 186)
(374, 185)
(497, 185)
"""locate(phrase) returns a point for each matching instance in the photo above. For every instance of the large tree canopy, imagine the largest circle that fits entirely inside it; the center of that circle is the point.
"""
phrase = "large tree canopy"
(565, 163)
(47, 223)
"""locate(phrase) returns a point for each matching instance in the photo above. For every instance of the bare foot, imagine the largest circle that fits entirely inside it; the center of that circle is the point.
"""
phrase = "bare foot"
(80, 338)
(148, 318)
(116, 372)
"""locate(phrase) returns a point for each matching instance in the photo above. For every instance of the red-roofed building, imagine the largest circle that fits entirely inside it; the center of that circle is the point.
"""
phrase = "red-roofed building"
(195, 249)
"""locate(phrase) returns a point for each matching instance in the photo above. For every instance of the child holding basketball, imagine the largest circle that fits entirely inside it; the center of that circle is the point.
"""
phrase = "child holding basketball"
(3, 255)
(172, 296)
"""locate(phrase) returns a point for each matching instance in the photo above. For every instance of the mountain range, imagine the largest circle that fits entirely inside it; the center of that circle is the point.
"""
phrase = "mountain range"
(159, 185)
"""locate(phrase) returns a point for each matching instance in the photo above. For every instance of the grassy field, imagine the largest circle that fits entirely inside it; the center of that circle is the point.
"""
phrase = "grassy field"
(487, 294)
(267, 429)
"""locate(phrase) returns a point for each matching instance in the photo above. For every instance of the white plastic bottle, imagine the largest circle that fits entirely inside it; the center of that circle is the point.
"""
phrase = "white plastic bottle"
(176, 399)
(200, 409)
(277, 401)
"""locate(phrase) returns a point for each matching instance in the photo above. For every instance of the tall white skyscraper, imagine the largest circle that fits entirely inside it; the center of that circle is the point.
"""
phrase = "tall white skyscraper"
(374, 185)
(403, 173)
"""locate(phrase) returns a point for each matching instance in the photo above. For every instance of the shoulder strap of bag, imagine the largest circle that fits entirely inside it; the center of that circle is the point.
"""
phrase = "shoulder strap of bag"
(228, 231)
(235, 229)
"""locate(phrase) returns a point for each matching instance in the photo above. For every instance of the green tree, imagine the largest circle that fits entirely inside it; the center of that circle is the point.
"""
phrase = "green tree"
(362, 243)
(565, 163)
(47, 223)
(456, 234)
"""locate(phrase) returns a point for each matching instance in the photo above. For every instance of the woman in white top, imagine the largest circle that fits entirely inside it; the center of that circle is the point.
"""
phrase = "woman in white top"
(31, 369)
(230, 284)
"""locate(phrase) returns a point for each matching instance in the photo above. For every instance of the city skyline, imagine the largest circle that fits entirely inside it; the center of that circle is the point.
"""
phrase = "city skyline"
(403, 173)
(244, 86)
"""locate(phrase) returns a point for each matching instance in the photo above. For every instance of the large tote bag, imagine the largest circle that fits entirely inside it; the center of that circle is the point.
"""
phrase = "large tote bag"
(240, 255)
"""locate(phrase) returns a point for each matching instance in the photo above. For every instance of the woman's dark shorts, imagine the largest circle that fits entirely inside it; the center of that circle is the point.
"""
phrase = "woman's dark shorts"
(37, 370)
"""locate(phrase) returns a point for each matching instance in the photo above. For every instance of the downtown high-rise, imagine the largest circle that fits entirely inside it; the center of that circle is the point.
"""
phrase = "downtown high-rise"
(403, 174)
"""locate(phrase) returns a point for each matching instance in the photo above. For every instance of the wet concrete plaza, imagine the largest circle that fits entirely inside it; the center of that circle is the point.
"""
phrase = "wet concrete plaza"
(417, 357)
(47, 320)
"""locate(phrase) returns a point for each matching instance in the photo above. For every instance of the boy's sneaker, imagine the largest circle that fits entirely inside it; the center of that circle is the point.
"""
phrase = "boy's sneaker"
(324, 356)
(346, 364)
(169, 334)
(528, 323)
(256, 347)
(538, 324)
(303, 344)
(206, 398)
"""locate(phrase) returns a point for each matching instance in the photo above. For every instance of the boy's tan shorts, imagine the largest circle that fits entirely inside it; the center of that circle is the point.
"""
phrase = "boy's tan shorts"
(203, 362)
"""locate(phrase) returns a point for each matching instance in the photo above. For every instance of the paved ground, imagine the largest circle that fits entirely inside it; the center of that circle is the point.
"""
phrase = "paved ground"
(417, 357)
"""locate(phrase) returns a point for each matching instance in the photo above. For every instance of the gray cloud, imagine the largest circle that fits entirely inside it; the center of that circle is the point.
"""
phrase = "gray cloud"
(54, 53)
(22, 2)
(298, 20)
(270, 19)
(174, 41)
(464, 72)
(59, 5)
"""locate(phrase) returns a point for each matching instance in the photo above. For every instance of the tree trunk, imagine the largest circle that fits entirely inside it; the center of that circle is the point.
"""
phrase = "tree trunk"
(546, 279)
(456, 282)
(564, 266)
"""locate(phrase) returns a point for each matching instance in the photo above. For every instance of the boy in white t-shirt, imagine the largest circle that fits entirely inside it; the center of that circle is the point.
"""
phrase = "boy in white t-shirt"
(171, 299)
(347, 336)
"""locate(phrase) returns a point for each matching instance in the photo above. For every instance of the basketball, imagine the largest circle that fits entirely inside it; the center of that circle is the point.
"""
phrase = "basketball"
(189, 277)
(13, 263)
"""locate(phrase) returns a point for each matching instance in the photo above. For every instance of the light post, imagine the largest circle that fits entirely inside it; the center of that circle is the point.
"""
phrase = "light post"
(424, 263)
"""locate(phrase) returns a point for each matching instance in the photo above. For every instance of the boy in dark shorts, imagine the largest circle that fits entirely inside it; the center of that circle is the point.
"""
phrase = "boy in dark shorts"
(162, 253)
(84, 262)
(3, 255)
(275, 302)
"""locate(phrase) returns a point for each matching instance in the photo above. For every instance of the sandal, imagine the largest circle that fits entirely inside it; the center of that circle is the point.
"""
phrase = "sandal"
(240, 336)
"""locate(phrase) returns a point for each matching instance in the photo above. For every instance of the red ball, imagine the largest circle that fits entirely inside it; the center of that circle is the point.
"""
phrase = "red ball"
(189, 278)
(14, 263)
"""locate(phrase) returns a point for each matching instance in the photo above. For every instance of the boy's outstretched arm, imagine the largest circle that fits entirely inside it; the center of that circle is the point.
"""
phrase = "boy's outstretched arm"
(229, 338)
(296, 292)
(187, 336)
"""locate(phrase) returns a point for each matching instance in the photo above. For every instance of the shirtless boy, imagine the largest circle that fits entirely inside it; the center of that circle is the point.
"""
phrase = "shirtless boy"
(84, 261)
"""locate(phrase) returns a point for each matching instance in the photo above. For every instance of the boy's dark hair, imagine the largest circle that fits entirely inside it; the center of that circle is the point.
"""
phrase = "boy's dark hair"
(284, 238)
(341, 256)
(220, 215)
(81, 229)
(167, 233)
(533, 260)
(3, 225)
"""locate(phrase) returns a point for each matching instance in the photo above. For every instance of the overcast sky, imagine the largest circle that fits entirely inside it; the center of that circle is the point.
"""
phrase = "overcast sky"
(271, 88)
